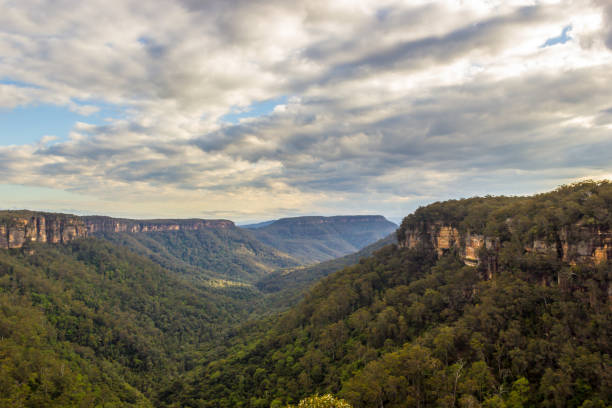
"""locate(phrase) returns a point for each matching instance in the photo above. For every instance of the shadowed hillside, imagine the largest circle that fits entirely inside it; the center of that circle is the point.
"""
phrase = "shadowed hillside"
(316, 239)
(229, 253)
(285, 287)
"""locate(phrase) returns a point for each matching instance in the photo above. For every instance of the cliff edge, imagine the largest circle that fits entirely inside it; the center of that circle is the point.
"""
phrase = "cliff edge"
(19, 227)
(572, 224)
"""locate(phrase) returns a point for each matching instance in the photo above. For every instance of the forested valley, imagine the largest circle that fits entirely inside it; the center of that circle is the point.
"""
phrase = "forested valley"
(117, 322)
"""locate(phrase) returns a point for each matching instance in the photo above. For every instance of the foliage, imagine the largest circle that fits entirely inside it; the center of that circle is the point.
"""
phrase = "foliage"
(228, 253)
(323, 401)
(403, 328)
(285, 287)
(540, 216)
(92, 323)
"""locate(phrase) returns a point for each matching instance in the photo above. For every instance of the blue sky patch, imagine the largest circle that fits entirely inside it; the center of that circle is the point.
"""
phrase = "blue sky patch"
(255, 110)
(28, 124)
(561, 39)
(20, 84)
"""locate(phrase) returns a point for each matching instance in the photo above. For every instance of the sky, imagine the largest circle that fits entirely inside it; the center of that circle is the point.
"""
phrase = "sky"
(252, 110)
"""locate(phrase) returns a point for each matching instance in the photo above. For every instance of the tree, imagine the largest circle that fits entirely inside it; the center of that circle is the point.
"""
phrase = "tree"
(323, 401)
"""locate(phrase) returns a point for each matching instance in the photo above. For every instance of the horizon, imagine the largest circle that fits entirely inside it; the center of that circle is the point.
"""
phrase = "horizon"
(243, 223)
(238, 223)
(260, 111)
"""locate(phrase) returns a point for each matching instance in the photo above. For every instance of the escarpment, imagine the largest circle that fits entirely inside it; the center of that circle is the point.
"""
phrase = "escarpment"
(572, 225)
(101, 224)
(443, 238)
(573, 244)
(19, 227)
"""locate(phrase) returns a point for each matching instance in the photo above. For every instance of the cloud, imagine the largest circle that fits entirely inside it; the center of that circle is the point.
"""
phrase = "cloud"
(381, 105)
(607, 26)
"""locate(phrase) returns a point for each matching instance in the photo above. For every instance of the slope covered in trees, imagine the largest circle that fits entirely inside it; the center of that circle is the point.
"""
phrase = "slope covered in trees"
(522, 219)
(93, 324)
(285, 287)
(407, 327)
(317, 239)
(229, 253)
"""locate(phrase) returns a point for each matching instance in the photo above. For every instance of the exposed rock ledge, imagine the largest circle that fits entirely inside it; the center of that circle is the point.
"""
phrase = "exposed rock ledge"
(19, 227)
(575, 244)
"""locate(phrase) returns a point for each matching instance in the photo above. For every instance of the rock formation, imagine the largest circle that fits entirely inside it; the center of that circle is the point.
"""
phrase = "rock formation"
(19, 227)
(574, 244)
(99, 224)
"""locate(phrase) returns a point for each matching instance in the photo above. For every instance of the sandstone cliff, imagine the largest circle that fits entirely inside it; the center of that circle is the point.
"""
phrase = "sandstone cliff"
(19, 227)
(100, 224)
(573, 244)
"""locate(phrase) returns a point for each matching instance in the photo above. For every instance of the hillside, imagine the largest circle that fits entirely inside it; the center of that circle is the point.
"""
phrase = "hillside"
(201, 248)
(257, 225)
(229, 253)
(89, 323)
(483, 302)
(209, 249)
(286, 286)
(317, 239)
(424, 324)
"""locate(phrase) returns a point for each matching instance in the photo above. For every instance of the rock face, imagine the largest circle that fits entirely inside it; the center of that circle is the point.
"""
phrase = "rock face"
(97, 224)
(19, 227)
(575, 244)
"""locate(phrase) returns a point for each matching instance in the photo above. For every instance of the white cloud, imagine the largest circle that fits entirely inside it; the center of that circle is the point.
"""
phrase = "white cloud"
(389, 103)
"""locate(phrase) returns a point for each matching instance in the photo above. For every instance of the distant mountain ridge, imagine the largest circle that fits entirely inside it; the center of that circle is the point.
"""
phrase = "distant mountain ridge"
(286, 287)
(97, 224)
(315, 238)
(257, 224)
(206, 248)
(228, 252)
(19, 227)
(301, 277)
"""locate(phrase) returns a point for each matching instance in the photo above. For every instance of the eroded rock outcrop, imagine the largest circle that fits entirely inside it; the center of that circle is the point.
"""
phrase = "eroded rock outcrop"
(98, 224)
(19, 227)
(575, 244)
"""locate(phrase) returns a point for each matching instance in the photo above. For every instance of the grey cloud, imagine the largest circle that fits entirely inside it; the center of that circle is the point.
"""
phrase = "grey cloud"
(608, 27)
(606, 19)
(483, 126)
(384, 21)
(488, 35)
(338, 138)
(476, 127)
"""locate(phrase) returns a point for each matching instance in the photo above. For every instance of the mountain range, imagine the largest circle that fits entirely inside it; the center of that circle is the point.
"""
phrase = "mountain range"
(206, 248)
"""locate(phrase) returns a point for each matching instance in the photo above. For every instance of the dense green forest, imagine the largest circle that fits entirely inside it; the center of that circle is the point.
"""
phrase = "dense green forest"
(522, 219)
(285, 287)
(400, 328)
(228, 253)
(406, 328)
(93, 323)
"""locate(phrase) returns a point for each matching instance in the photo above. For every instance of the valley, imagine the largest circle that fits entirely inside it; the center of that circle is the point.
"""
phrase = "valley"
(494, 301)
(305, 204)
